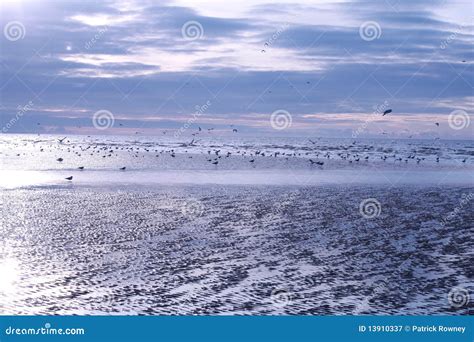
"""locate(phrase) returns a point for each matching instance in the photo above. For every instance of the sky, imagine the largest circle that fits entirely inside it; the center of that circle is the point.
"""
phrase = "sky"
(297, 68)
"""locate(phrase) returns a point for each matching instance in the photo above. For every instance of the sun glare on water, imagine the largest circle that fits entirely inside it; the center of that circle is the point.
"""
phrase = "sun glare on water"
(9, 275)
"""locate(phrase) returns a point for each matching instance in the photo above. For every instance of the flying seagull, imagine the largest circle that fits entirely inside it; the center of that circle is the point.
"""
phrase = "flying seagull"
(388, 111)
(61, 140)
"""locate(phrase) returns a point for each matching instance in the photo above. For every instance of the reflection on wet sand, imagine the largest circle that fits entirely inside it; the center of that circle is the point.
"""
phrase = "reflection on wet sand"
(232, 250)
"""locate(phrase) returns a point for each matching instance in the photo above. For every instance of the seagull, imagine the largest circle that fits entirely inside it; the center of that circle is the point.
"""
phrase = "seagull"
(234, 130)
(262, 51)
(123, 168)
(60, 159)
(437, 124)
(189, 144)
(216, 162)
(252, 160)
(61, 140)
(68, 178)
(388, 111)
(81, 167)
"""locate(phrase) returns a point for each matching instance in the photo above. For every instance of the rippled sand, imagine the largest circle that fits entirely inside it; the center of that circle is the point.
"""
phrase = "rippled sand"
(234, 250)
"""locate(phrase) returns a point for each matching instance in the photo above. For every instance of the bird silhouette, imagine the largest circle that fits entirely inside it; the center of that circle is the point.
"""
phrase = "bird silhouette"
(388, 111)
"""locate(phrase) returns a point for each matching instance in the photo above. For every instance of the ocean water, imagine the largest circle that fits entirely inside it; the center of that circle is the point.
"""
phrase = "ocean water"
(175, 234)
(28, 160)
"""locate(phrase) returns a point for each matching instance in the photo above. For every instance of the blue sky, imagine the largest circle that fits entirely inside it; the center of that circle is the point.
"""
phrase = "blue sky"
(332, 66)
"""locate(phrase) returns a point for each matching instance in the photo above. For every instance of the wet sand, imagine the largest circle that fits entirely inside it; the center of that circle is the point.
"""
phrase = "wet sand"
(246, 250)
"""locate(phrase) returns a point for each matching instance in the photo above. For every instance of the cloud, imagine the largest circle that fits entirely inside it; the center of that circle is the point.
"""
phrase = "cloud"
(251, 58)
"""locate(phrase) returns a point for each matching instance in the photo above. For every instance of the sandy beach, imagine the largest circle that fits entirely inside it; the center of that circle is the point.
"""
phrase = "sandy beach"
(105, 244)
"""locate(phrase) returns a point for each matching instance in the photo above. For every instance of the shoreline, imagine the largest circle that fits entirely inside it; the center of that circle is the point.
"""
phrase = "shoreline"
(10, 179)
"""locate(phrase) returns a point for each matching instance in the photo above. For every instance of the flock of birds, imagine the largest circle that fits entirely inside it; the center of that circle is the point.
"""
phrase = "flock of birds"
(314, 153)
